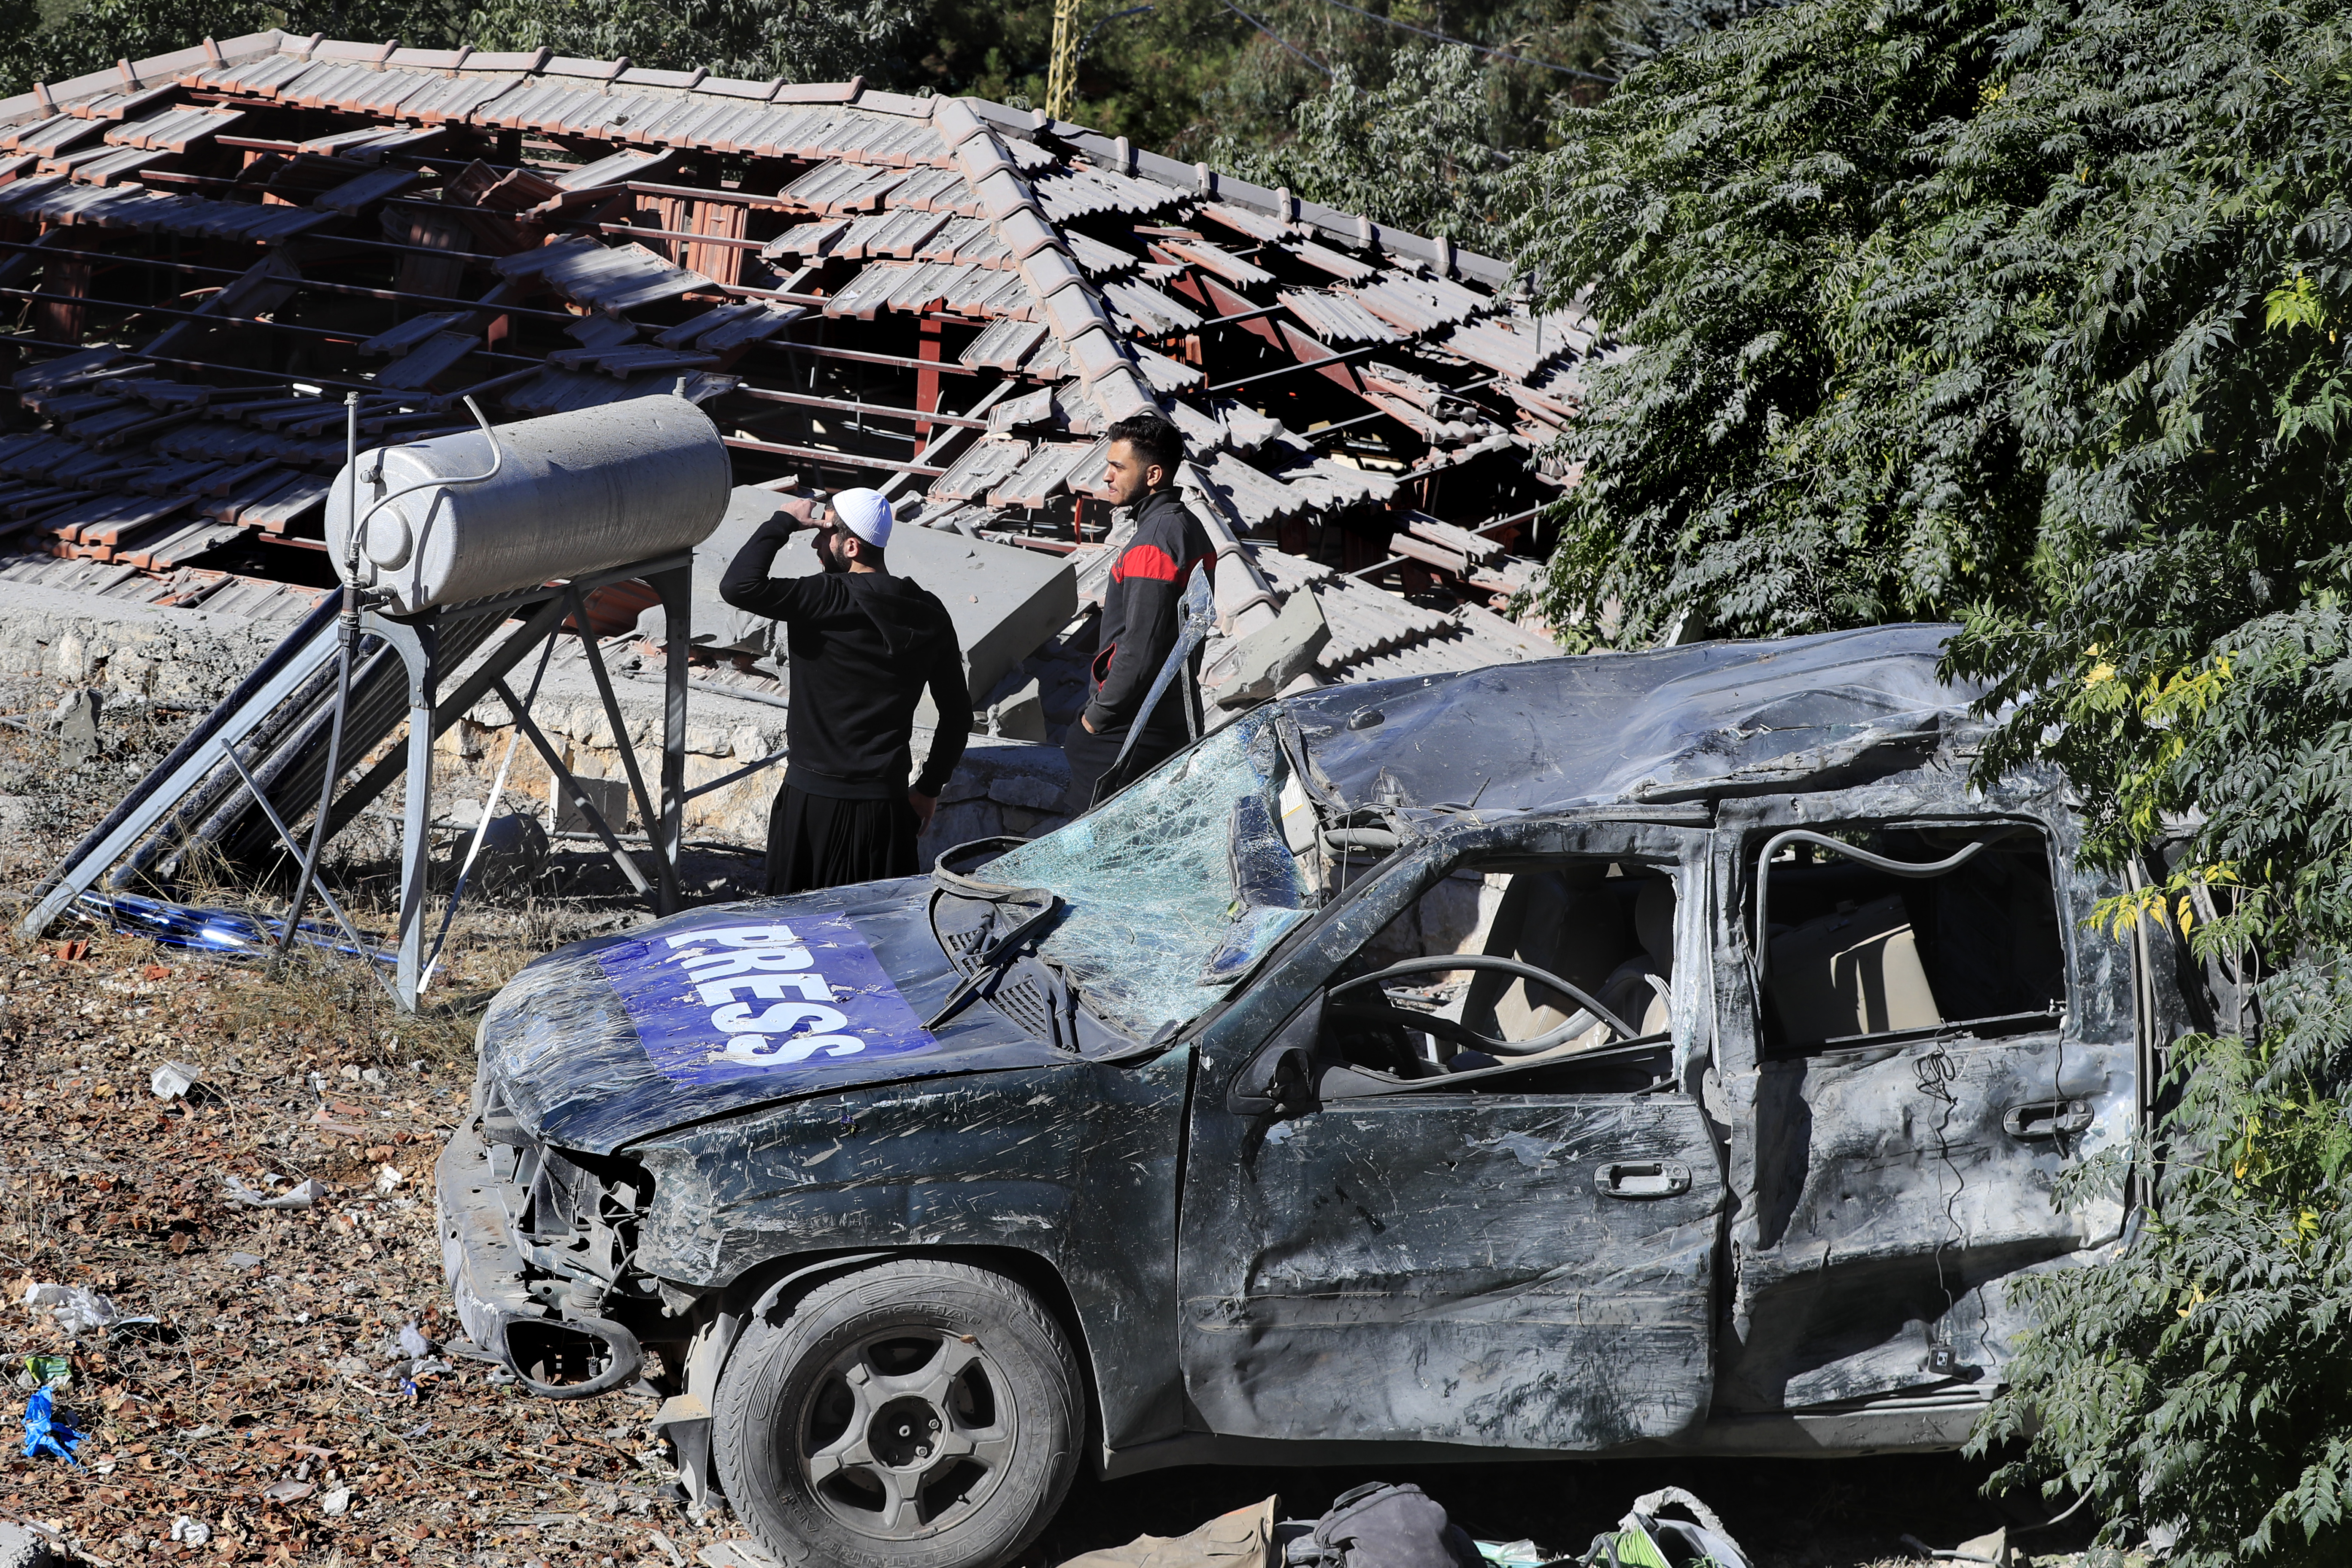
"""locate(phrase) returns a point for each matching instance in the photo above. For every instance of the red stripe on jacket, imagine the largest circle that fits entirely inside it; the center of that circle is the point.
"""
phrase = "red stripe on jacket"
(1145, 560)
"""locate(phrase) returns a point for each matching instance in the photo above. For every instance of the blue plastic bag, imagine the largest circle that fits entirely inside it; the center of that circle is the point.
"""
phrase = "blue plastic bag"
(48, 1430)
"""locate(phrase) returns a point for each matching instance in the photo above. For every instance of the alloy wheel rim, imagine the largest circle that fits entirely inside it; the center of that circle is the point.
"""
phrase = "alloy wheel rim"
(906, 1433)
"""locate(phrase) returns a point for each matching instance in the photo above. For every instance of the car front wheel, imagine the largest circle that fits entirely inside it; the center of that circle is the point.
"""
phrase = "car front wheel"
(916, 1414)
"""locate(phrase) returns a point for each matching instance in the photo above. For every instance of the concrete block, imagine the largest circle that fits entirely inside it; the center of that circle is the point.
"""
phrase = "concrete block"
(142, 650)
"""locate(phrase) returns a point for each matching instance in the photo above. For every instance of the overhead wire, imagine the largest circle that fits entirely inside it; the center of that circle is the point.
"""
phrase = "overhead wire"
(1277, 38)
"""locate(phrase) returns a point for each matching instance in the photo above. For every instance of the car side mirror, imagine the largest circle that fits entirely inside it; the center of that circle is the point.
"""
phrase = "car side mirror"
(1279, 1080)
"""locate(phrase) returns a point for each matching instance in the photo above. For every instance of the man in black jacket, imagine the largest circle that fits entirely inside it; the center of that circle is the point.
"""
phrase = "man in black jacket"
(1141, 619)
(863, 644)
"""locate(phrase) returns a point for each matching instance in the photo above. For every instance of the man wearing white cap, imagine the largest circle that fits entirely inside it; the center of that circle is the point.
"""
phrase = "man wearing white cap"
(862, 645)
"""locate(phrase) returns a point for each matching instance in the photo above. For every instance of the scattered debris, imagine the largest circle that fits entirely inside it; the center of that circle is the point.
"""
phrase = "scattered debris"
(78, 1308)
(48, 1372)
(47, 1429)
(192, 1531)
(299, 1197)
(172, 1080)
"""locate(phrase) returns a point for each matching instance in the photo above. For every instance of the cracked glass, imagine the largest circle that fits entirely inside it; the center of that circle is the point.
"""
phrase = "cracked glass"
(1175, 886)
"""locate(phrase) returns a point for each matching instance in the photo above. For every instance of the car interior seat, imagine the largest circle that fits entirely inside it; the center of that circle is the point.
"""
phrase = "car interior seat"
(1576, 924)
(1855, 970)
(1568, 922)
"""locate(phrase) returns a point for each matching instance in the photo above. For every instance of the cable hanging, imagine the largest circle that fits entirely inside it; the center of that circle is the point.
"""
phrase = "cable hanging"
(1277, 38)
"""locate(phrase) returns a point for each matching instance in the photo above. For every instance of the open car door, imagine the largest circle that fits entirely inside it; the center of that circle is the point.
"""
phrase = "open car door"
(1389, 1235)
(1923, 1035)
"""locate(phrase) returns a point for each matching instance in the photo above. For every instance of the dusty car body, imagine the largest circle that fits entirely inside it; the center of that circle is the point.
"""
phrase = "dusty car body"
(1189, 1076)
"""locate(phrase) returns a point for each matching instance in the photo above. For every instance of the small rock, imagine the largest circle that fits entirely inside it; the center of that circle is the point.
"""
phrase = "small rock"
(241, 1261)
(194, 1532)
(78, 728)
(336, 1503)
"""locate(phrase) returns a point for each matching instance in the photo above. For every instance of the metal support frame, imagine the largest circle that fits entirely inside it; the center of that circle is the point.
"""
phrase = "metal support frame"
(416, 638)
(419, 642)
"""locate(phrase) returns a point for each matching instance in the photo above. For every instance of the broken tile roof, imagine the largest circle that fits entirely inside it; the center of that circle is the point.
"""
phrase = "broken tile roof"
(941, 295)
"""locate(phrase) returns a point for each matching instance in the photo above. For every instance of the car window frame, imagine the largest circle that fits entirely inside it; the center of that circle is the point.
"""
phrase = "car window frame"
(1677, 837)
(1746, 839)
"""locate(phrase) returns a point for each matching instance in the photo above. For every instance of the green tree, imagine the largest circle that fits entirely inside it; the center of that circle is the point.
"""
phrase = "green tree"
(1412, 152)
(798, 40)
(2033, 313)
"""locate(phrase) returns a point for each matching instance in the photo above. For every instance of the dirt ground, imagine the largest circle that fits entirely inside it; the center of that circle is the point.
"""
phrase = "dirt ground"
(255, 1392)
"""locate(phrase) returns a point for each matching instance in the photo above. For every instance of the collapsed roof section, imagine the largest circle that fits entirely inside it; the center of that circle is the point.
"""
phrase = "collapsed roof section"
(941, 296)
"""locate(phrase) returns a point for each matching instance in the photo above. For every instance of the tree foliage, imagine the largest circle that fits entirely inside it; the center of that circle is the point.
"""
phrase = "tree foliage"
(1412, 152)
(757, 40)
(2033, 313)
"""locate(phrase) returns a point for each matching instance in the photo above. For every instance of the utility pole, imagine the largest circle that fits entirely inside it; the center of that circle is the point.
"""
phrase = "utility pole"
(1062, 73)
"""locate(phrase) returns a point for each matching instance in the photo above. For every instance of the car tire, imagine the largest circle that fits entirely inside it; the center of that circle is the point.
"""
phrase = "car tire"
(916, 1414)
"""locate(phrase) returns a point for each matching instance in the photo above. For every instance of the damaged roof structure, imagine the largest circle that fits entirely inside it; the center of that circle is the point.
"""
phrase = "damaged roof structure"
(943, 298)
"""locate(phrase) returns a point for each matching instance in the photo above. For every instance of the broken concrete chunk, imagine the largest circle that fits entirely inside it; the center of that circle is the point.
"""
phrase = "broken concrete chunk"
(1270, 658)
(29, 1546)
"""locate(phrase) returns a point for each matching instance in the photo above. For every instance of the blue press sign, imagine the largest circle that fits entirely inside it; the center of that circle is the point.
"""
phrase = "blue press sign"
(727, 1002)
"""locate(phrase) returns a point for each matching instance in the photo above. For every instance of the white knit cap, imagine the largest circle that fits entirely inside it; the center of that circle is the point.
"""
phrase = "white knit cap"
(866, 513)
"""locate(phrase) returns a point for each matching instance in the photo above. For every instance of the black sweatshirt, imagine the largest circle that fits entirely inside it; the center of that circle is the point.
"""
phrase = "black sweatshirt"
(863, 645)
(1141, 616)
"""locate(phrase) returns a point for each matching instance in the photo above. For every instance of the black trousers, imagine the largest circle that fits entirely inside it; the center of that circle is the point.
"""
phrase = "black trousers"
(1090, 755)
(815, 841)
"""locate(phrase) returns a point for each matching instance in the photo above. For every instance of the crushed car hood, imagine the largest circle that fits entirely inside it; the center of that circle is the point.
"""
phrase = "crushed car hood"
(608, 1041)
(1667, 724)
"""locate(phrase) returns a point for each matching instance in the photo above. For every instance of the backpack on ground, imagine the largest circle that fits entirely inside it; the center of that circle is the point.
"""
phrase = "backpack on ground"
(1380, 1525)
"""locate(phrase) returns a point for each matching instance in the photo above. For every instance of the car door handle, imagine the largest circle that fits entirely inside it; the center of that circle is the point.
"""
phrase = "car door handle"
(1642, 1179)
(2046, 1118)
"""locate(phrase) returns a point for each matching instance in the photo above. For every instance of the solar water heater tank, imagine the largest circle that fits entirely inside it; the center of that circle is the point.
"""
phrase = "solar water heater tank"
(574, 493)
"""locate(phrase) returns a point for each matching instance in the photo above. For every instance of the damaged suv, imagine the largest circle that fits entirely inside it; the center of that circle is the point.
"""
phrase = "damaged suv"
(1648, 1053)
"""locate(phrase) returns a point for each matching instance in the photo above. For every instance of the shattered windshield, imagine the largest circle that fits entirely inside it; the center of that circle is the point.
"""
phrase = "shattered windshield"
(1177, 885)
